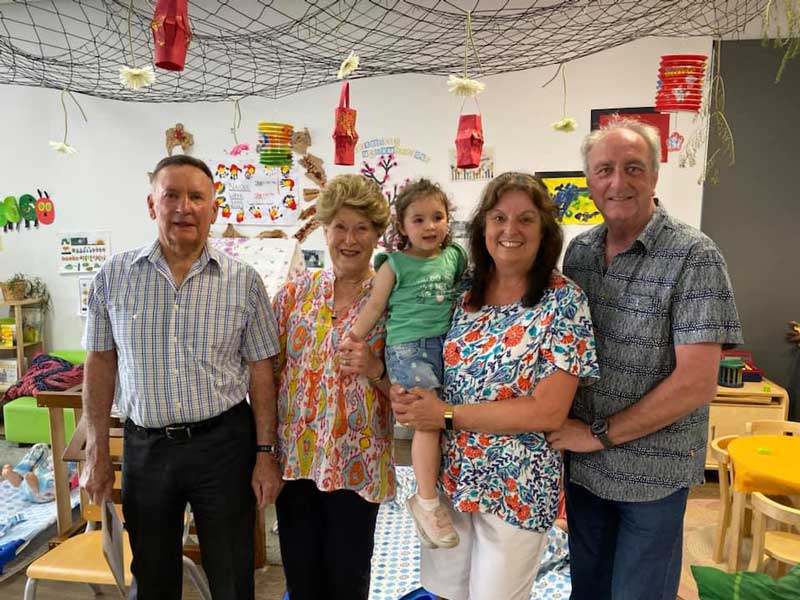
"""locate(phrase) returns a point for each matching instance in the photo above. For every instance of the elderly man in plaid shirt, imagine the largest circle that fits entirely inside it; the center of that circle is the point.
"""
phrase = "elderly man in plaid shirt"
(184, 333)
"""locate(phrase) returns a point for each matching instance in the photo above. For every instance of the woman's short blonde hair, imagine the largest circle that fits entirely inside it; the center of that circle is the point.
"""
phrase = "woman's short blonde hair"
(357, 193)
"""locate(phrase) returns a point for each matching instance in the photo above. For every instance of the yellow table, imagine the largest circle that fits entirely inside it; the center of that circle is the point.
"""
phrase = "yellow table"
(769, 464)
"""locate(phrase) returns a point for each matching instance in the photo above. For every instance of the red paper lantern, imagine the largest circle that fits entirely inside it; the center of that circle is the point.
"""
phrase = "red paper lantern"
(469, 142)
(680, 82)
(171, 34)
(344, 131)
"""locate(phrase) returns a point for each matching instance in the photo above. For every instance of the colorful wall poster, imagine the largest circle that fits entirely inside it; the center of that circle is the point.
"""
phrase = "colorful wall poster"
(252, 194)
(645, 114)
(571, 195)
(482, 172)
(84, 251)
(276, 259)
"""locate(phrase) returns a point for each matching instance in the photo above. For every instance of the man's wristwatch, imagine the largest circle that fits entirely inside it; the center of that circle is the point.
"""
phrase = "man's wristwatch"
(271, 449)
(448, 418)
(599, 429)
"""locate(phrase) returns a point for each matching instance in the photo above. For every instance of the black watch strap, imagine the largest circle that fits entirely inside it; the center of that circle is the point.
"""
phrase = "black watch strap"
(268, 449)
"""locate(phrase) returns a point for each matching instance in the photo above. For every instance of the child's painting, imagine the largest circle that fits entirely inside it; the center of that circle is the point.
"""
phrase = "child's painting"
(571, 195)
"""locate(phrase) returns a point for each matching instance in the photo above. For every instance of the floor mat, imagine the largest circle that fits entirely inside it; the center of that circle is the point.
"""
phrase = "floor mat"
(395, 560)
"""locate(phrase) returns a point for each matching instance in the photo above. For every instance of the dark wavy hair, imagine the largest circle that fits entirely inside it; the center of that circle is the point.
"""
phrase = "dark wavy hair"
(411, 192)
(549, 248)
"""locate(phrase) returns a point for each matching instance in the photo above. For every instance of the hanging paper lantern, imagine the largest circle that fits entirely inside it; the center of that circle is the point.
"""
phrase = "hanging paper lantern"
(275, 144)
(344, 131)
(469, 142)
(680, 82)
(171, 34)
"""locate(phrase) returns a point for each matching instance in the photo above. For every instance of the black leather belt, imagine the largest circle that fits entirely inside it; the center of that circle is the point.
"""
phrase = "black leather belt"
(184, 431)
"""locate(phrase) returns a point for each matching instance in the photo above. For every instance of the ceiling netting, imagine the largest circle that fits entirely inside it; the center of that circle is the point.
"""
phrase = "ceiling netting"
(274, 48)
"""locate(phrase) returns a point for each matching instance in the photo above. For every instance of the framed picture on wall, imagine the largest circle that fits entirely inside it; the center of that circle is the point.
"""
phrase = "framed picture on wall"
(571, 195)
(646, 114)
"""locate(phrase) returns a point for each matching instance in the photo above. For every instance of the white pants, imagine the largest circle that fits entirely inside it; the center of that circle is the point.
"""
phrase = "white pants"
(493, 560)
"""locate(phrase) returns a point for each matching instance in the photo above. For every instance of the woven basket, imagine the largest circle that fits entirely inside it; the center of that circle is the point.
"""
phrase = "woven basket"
(14, 291)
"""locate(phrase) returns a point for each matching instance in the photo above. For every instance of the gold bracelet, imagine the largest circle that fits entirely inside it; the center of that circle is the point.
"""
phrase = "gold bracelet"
(377, 380)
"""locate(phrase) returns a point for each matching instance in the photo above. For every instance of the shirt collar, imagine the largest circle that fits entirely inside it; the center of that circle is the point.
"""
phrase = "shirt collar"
(647, 238)
(153, 254)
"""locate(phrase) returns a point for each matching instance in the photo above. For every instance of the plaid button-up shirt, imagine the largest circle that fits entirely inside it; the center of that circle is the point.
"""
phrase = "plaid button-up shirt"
(671, 287)
(182, 352)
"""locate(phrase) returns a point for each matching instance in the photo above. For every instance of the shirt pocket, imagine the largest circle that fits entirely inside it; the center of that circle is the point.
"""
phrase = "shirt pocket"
(138, 332)
(217, 335)
(640, 303)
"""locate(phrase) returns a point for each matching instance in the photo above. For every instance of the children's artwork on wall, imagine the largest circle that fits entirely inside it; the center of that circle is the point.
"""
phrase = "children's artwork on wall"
(276, 260)
(84, 284)
(314, 259)
(84, 252)
(252, 194)
(645, 114)
(571, 195)
(484, 171)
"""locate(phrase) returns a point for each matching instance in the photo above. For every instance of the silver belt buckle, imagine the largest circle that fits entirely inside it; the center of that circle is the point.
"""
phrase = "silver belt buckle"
(178, 432)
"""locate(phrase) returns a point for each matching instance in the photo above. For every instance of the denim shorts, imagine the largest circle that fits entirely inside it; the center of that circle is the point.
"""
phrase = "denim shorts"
(416, 364)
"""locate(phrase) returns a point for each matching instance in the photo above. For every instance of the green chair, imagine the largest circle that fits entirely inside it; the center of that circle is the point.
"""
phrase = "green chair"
(26, 423)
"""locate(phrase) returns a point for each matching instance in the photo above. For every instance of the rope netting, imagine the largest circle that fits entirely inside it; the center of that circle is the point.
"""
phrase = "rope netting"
(274, 48)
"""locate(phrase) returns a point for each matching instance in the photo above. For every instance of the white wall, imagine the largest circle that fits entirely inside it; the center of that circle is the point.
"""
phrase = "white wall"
(104, 185)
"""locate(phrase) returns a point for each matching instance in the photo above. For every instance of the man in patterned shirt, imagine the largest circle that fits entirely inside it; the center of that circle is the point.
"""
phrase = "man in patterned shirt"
(184, 333)
(662, 307)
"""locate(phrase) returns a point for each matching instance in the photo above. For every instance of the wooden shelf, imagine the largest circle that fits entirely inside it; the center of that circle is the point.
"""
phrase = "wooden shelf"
(25, 345)
(25, 302)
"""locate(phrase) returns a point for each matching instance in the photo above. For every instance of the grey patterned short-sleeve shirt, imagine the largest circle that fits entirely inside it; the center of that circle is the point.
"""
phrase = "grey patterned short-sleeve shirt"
(671, 287)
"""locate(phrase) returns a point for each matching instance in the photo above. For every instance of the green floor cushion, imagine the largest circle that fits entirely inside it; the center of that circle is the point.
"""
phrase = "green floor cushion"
(26, 423)
(713, 584)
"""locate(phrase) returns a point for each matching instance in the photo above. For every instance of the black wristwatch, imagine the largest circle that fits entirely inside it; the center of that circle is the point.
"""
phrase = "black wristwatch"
(268, 449)
(600, 431)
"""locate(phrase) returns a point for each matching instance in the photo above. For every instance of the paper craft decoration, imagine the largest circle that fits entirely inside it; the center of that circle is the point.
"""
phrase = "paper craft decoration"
(84, 252)
(469, 141)
(84, 285)
(276, 260)
(45, 209)
(248, 193)
(314, 170)
(11, 213)
(680, 82)
(344, 131)
(275, 144)
(645, 114)
(571, 195)
(301, 140)
(178, 136)
(27, 211)
(305, 230)
(171, 34)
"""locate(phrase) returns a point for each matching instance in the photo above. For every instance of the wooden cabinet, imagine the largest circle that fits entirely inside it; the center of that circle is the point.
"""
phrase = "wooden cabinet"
(21, 350)
(733, 407)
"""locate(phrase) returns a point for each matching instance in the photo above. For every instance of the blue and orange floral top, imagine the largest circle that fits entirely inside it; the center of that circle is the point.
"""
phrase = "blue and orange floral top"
(333, 429)
(501, 352)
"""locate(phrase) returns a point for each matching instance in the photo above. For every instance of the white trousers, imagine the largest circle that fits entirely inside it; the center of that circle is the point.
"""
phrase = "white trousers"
(493, 560)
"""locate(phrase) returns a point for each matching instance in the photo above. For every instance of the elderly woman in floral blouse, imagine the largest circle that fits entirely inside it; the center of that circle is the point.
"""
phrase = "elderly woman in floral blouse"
(521, 340)
(334, 418)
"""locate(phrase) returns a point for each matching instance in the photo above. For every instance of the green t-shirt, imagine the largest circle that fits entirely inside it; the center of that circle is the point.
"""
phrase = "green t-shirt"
(424, 293)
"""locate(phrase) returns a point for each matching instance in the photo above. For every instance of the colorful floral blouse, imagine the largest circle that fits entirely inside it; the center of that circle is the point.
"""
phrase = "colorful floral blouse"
(333, 429)
(501, 352)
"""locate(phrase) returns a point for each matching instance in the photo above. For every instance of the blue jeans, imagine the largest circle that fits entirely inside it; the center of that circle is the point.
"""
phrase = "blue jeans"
(416, 364)
(624, 550)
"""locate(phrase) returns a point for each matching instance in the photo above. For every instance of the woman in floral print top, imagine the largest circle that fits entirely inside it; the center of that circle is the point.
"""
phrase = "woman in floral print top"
(334, 418)
(520, 343)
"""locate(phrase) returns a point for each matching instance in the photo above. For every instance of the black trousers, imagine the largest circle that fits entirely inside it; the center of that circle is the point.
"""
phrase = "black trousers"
(326, 541)
(211, 471)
